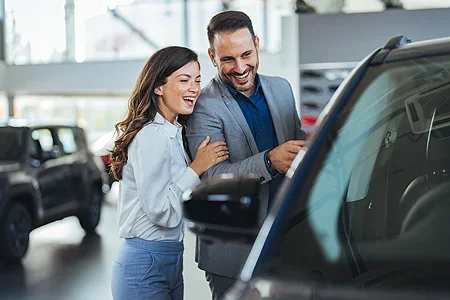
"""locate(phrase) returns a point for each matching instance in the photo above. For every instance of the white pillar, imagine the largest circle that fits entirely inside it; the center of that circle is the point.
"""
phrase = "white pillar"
(10, 98)
(2, 30)
(290, 54)
(186, 23)
(70, 30)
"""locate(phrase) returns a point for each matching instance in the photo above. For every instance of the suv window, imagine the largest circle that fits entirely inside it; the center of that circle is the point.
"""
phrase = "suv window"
(11, 141)
(67, 139)
(44, 137)
(379, 195)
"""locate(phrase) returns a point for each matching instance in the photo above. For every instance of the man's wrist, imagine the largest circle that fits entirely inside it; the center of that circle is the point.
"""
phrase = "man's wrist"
(269, 166)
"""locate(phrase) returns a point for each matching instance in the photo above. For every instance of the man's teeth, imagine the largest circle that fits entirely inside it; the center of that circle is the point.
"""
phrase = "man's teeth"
(242, 76)
(189, 99)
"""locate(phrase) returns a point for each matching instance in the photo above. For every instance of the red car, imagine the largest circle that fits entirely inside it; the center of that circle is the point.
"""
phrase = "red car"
(102, 147)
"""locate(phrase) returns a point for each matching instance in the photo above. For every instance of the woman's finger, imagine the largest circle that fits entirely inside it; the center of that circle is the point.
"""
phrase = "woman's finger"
(220, 148)
(205, 142)
(222, 158)
(217, 144)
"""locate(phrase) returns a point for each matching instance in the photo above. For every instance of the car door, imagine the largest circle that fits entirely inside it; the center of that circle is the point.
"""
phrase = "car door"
(50, 171)
(368, 205)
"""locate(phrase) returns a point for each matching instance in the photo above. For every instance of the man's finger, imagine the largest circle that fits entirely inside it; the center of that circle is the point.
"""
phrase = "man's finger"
(293, 148)
(299, 143)
(290, 156)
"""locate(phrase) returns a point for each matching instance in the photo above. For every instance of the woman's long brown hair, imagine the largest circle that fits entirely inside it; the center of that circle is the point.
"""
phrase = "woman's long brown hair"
(143, 102)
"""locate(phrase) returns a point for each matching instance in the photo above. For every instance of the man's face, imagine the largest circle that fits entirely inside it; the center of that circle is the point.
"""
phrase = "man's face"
(235, 55)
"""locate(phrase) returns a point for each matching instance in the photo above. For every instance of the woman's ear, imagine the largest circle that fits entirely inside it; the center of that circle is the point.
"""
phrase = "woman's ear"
(158, 91)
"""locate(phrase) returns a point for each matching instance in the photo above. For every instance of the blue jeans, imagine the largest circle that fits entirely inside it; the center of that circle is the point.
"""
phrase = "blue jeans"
(148, 270)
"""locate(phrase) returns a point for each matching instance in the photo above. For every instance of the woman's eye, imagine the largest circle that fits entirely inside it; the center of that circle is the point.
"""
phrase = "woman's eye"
(184, 80)
(198, 81)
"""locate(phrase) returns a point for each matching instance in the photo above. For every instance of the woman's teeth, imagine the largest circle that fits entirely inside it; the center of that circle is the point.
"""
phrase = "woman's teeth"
(188, 99)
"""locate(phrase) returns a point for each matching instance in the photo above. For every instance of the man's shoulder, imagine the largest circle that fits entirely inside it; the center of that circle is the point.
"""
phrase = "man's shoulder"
(211, 90)
(210, 95)
(273, 80)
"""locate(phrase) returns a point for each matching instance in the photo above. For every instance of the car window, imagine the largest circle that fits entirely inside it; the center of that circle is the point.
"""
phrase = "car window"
(44, 137)
(67, 139)
(378, 194)
(11, 141)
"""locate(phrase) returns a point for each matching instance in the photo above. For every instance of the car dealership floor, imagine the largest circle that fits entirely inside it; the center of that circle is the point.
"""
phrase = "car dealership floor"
(63, 263)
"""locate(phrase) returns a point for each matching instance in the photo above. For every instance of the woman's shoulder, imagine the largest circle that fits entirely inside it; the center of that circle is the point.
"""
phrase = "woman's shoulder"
(150, 130)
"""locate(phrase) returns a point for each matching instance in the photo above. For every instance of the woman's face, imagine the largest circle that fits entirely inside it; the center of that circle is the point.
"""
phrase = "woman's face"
(181, 91)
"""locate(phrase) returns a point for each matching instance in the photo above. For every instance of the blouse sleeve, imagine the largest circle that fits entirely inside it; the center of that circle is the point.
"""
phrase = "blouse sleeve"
(159, 192)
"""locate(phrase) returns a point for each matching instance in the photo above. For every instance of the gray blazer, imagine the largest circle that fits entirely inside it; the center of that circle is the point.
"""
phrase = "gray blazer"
(218, 115)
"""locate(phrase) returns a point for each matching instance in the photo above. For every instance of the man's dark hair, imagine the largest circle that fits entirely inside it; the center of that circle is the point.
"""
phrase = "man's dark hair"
(228, 21)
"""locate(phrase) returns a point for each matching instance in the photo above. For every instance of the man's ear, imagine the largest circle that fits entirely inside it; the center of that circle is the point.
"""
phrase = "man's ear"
(212, 57)
(257, 42)
(158, 91)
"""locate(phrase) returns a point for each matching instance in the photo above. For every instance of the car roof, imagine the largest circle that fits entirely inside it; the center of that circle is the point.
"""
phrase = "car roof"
(419, 49)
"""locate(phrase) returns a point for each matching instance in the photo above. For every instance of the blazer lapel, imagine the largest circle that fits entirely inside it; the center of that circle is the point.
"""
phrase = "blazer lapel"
(236, 111)
(272, 103)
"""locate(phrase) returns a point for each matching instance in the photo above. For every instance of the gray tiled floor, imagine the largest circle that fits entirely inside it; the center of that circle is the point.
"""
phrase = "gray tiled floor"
(63, 263)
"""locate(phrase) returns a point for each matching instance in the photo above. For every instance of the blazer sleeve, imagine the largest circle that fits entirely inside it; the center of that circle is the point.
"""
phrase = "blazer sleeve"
(204, 122)
(159, 192)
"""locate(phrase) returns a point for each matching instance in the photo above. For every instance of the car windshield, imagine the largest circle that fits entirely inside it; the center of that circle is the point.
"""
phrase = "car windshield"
(11, 143)
(378, 193)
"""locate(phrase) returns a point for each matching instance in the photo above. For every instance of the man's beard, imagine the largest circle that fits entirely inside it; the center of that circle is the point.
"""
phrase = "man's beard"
(248, 87)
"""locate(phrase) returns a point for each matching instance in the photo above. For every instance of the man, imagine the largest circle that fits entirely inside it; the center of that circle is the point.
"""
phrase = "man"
(256, 116)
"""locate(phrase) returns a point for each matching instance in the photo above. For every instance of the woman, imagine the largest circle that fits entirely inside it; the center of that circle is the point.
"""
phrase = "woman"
(151, 163)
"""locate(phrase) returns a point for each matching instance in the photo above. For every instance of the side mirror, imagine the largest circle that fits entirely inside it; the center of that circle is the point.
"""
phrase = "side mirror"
(224, 209)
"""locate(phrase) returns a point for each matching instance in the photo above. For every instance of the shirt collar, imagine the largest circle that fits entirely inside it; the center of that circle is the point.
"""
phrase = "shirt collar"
(171, 129)
(234, 92)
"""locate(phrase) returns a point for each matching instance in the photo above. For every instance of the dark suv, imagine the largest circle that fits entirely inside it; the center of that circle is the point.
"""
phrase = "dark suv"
(364, 211)
(46, 173)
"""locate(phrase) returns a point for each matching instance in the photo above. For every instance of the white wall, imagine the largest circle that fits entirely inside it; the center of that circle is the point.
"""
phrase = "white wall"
(350, 37)
(115, 77)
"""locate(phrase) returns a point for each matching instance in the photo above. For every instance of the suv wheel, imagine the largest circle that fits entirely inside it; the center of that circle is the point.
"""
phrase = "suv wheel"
(89, 216)
(15, 231)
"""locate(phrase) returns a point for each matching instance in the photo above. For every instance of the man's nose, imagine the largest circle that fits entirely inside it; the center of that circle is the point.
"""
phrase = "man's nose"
(240, 66)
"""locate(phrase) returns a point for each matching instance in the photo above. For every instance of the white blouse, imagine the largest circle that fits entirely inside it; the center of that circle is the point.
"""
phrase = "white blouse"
(153, 180)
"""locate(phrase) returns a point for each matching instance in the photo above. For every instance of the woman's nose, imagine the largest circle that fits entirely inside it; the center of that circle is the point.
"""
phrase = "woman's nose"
(194, 87)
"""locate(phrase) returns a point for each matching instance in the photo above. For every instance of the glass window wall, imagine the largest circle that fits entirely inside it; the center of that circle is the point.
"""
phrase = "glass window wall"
(54, 31)
(97, 115)
(3, 107)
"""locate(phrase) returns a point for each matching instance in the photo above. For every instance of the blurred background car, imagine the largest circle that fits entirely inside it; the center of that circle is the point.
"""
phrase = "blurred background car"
(47, 173)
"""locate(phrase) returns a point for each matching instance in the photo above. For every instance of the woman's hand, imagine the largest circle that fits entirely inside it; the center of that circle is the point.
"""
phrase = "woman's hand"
(209, 155)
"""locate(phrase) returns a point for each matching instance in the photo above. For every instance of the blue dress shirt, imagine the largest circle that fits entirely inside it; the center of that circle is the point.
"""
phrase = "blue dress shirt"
(258, 117)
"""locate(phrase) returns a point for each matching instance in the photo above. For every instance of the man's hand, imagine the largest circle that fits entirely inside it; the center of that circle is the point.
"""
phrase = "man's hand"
(282, 156)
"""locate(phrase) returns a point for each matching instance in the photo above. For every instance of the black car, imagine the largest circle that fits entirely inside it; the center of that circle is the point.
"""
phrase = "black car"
(46, 173)
(364, 211)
